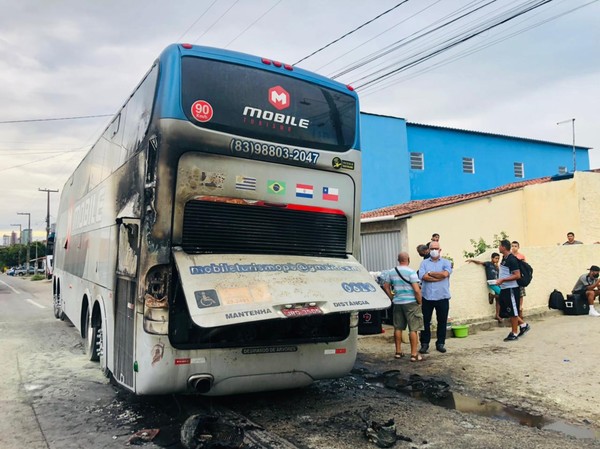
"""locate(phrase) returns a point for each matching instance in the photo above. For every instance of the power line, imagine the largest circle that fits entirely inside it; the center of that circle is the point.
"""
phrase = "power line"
(55, 119)
(196, 21)
(217, 21)
(369, 90)
(451, 43)
(252, 24)
(350, 32)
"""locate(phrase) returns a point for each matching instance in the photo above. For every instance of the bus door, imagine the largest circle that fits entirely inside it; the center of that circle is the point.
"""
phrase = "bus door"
(125, 293)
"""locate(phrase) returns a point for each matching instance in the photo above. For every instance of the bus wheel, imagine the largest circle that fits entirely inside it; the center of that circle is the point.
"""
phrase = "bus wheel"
(101, 355)
(91, 347)
(57, 307)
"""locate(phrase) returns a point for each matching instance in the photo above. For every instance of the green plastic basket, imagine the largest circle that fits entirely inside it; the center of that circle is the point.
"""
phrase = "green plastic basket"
(460, 331)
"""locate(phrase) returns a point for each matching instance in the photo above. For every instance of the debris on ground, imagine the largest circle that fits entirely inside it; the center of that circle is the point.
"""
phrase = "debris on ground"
(210, 432)
(142, 436)
(383, 435)
(432, 389)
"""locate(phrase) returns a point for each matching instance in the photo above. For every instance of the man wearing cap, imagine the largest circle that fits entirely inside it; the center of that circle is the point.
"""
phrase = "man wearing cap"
(588, 285)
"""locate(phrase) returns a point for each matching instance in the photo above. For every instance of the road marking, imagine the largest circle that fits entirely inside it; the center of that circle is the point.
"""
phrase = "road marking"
(11, 287)
(35, 303)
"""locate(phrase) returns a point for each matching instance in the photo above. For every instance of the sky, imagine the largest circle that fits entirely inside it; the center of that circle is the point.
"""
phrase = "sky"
(78, 58)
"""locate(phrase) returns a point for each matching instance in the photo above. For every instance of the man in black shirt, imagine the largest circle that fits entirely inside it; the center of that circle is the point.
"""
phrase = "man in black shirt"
(510, 291)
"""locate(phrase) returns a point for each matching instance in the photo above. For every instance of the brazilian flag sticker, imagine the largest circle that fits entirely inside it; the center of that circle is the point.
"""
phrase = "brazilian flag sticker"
(276, 187)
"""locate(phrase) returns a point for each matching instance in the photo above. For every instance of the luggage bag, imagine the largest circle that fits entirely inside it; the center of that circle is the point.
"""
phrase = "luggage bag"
(576, 304)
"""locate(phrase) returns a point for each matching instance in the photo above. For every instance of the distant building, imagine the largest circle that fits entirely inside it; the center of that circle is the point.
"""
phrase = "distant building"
(405, 161)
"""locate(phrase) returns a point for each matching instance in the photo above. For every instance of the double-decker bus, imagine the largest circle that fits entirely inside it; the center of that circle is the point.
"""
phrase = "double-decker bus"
(208, 240)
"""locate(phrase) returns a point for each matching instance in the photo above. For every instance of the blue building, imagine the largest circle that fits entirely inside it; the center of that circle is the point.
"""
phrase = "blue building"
(405, 161)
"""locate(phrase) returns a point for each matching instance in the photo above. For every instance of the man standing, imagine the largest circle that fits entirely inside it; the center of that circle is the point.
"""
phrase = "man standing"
(435, 277)
(402, 286)
(510, 291)
(491, 274)
(423, 251)
(515, 247)
(587, 285)
(571, 239)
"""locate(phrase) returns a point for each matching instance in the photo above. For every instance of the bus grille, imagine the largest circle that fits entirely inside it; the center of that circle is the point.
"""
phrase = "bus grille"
(217, 227)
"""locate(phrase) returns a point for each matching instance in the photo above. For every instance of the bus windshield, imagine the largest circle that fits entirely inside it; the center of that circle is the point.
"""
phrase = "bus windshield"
(263, 105)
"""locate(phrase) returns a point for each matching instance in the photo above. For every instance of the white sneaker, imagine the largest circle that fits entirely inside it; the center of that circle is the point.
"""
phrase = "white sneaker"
(593, 312)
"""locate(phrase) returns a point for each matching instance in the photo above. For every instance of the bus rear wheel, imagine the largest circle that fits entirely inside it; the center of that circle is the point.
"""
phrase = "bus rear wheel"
(57, 306)
(93, 332)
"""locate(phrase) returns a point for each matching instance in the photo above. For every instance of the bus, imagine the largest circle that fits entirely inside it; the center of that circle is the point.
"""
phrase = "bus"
(208, 241)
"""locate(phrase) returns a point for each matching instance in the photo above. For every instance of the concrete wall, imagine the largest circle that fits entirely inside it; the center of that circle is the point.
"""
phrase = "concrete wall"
(554, 267)
(494, 158)
(385, 161)
(538, 216)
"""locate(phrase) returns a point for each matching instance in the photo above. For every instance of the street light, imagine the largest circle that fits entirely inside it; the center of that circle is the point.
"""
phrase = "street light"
(572, 120)
(28, 236)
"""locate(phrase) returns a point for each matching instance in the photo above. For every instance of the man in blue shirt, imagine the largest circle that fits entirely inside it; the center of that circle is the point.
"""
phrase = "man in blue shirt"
(402, 286)
(435, 278)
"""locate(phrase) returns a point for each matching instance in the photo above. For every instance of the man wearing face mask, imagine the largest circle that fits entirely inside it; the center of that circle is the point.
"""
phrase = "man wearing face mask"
(435, 277)
(588, 285)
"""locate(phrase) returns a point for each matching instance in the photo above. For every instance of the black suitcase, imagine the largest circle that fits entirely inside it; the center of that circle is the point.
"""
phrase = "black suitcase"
(369, 322)
(576, 304)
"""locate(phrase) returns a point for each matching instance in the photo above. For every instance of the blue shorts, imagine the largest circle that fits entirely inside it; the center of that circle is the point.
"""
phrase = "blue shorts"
(495, 289)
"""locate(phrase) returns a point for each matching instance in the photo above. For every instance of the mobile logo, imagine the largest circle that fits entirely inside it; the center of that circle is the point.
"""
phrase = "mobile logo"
(279, 98)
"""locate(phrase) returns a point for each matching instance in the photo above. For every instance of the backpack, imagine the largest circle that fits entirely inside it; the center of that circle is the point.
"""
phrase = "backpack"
(526, 273)
(556, 300)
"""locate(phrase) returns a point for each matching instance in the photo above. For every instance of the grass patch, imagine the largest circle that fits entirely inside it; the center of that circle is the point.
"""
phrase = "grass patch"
(37, 277)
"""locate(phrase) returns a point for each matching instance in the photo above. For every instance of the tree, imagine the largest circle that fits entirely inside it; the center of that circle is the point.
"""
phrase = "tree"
(481, 246)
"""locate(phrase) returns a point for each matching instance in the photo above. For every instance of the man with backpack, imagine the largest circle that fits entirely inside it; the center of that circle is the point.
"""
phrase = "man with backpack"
(587, 285)
(510, 291)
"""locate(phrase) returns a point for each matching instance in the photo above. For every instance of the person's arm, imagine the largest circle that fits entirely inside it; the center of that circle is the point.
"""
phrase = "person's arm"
(478, 262)
(388, 290)
(417, 289)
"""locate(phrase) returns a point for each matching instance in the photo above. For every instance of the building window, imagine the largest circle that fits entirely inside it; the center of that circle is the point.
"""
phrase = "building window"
(519, 170)
(468, 165)
(416, 161)
(562, 170)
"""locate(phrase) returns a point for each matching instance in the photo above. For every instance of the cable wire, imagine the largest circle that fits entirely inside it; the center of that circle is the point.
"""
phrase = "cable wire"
(350, 32)
(3, 122)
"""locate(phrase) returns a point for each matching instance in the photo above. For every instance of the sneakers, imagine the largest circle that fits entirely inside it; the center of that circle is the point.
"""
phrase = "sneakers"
(511, 337)
(593, 311)
(424, 348)
(440, 348)
(524, 329)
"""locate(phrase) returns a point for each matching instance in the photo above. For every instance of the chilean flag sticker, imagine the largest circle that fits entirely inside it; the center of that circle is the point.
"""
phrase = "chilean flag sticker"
(331, 194)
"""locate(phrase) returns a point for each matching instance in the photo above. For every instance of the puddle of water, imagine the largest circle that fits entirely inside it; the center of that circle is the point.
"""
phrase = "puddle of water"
(492, 409)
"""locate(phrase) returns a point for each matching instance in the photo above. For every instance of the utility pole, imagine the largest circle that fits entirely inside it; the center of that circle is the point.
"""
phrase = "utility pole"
(28, 237)
(48, 191)
(572, 120)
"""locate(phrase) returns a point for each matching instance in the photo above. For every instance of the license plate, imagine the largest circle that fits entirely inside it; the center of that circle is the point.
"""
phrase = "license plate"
(302, 312)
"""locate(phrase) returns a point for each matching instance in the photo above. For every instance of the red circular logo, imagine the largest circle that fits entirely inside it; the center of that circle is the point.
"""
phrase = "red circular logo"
(202, 111)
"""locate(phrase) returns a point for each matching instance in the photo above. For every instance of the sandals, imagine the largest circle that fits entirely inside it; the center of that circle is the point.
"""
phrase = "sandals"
(416, 358)
(399, 355)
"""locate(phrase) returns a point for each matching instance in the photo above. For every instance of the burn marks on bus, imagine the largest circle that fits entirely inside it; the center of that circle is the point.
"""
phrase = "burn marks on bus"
(185, 334)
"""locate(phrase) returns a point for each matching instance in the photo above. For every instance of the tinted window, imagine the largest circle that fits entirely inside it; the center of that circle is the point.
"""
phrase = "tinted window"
(263, 105)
